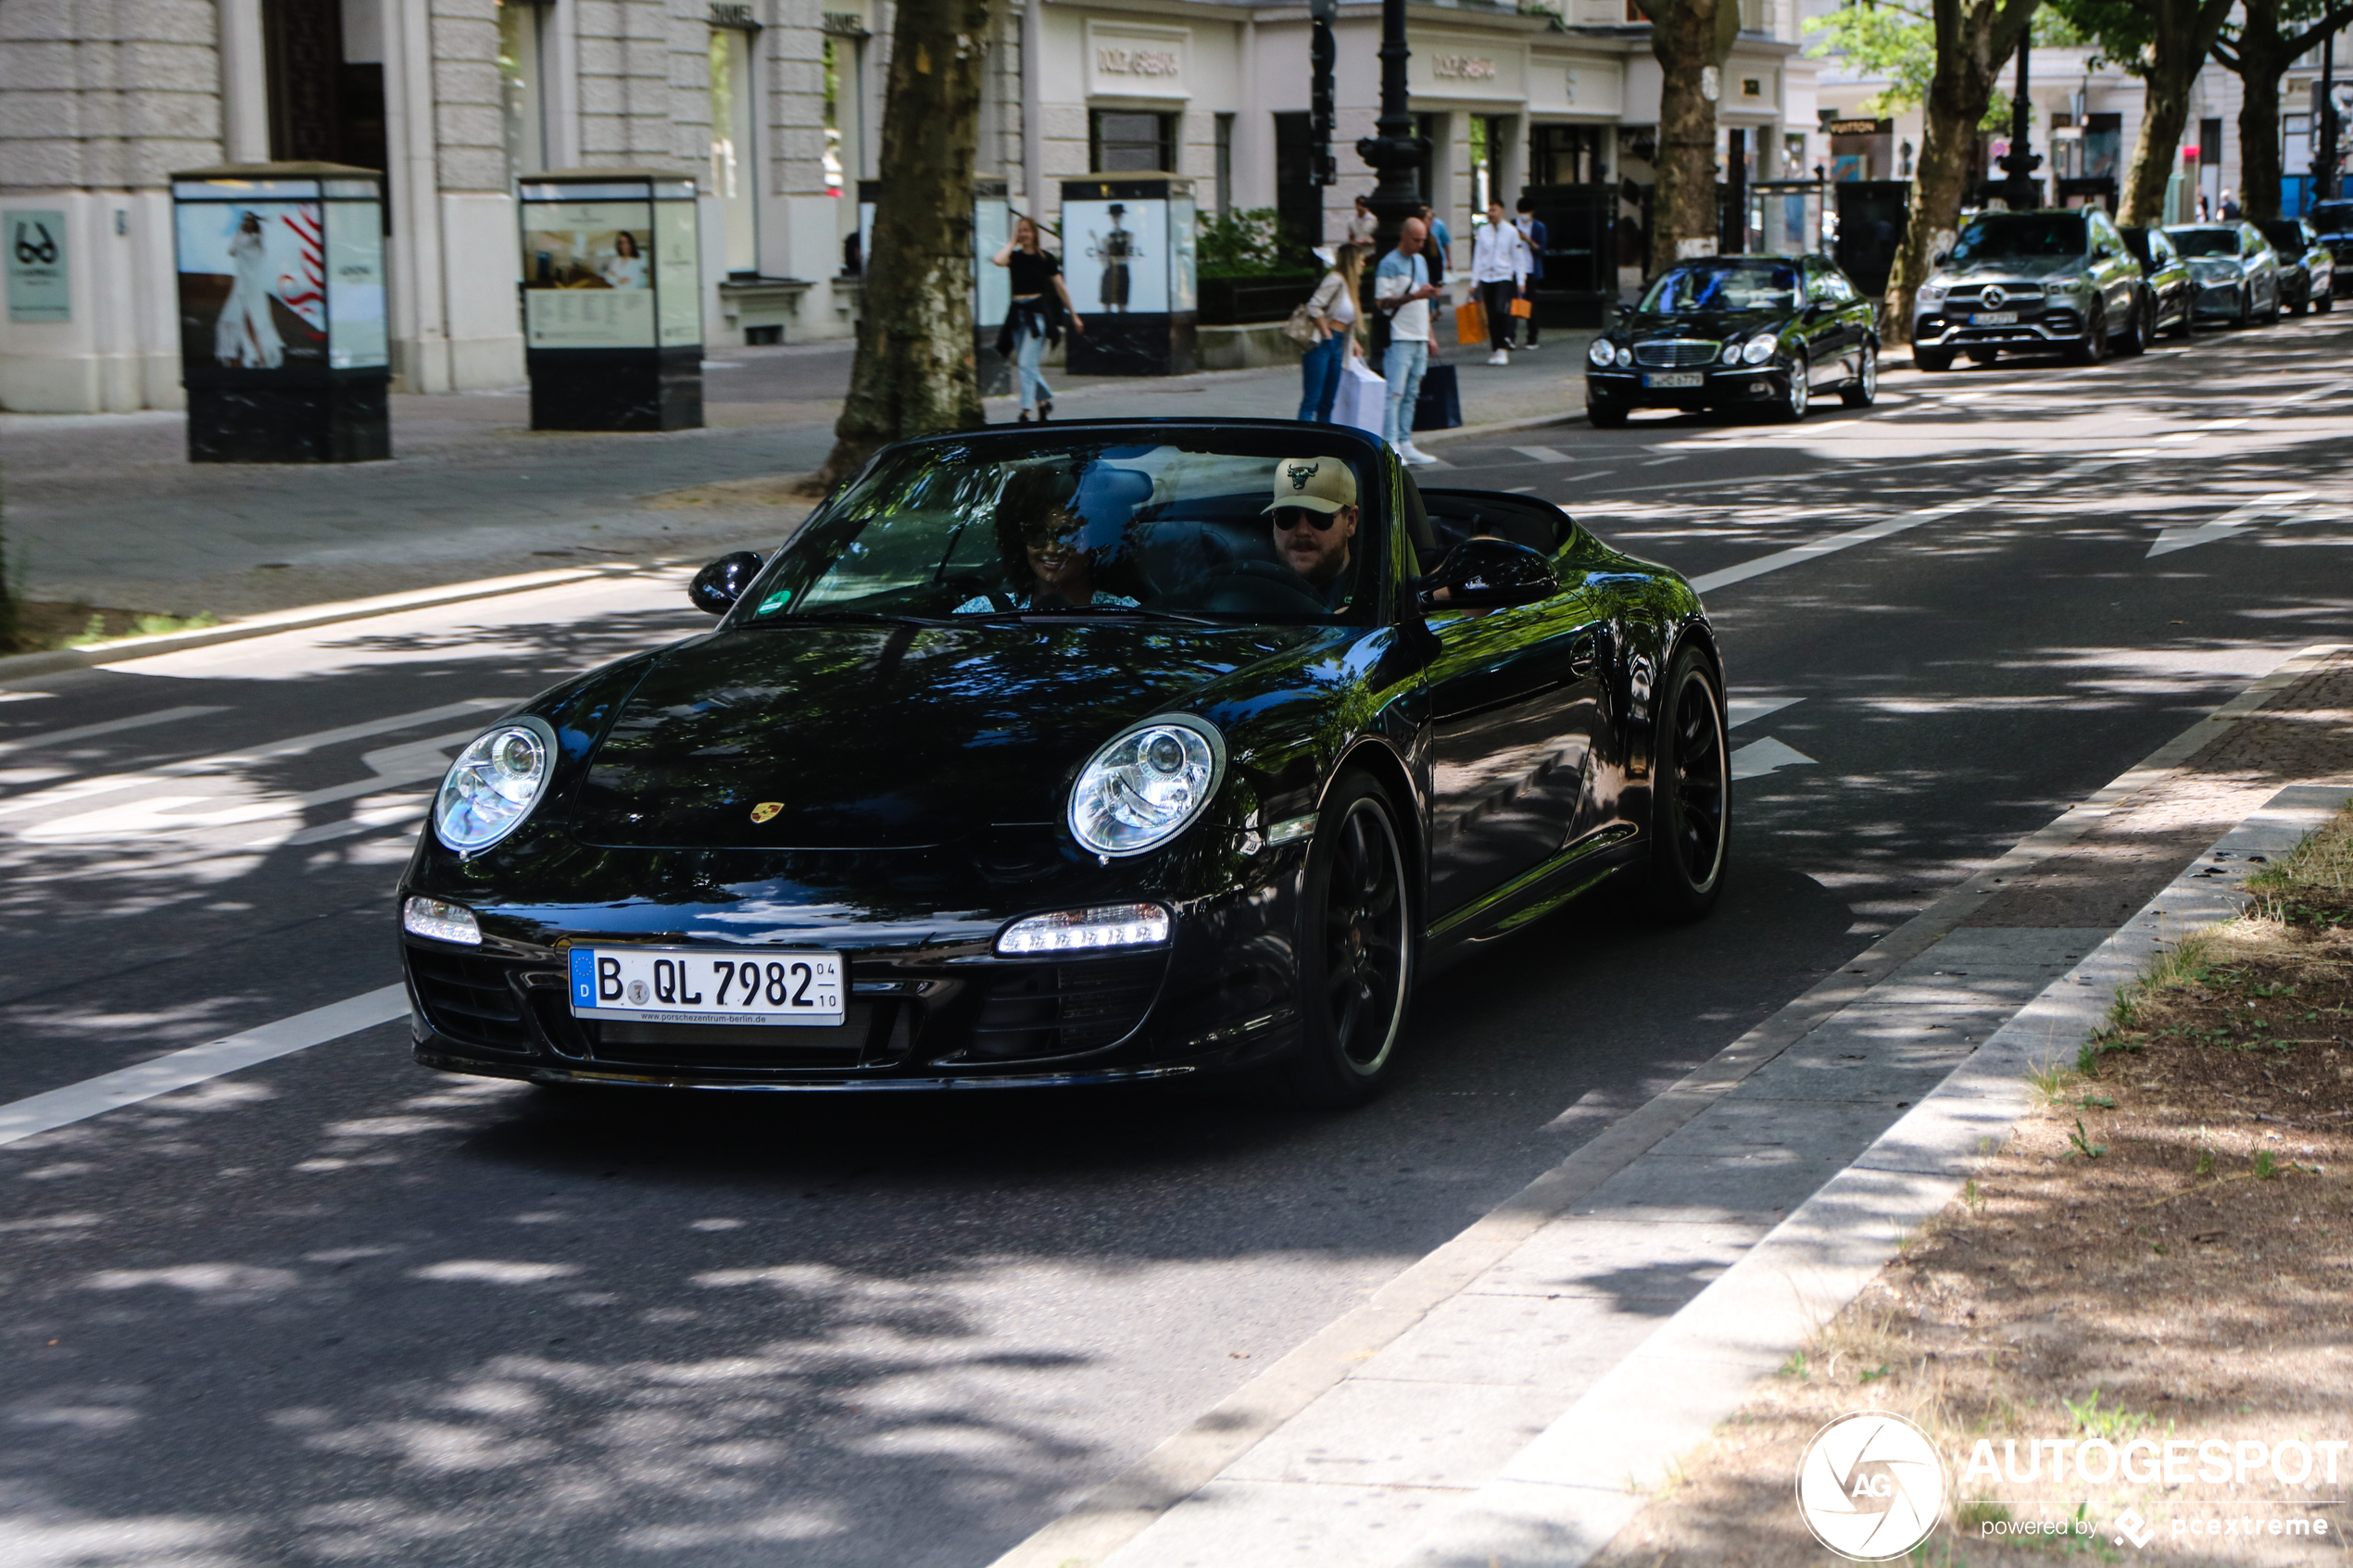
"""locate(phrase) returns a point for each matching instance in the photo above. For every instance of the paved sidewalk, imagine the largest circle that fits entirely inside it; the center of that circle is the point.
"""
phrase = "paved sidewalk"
(105, 510)
(1694, 1243)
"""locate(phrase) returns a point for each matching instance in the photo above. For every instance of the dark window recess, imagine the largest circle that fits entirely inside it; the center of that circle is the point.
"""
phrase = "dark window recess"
(323, 109)
(1566, 155)
(469, 999)
(2209, 141)
(1059, 1009)
(1299, 201)
(1432, 129)
(1124, 142)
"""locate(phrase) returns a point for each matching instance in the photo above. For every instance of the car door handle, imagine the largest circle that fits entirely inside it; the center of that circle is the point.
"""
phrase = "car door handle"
(1584, 655)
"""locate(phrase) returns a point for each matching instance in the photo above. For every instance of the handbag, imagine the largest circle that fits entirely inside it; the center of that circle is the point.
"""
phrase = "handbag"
(1304, 327)
(1363, 399)
(1523, 307)
(1440, 407)
(1470, 322)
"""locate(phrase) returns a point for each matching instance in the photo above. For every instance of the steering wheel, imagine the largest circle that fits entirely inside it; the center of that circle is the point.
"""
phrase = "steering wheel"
(1246, 587)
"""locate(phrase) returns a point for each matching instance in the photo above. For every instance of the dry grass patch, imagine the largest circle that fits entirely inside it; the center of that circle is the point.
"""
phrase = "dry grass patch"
(2164, 1250)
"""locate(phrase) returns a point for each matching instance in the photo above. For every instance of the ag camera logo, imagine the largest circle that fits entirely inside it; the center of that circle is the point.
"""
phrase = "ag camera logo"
(1870, 1486)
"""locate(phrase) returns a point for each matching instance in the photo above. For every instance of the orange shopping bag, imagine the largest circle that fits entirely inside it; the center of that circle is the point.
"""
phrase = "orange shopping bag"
(1523, 307)
(1470, 322)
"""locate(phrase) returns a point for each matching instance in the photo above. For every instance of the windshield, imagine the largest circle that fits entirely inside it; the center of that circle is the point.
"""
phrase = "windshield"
(2287, 236)
(1244, 529)
(2333, 218)
(2205, 242)
(1747, 284)
(2007, 237)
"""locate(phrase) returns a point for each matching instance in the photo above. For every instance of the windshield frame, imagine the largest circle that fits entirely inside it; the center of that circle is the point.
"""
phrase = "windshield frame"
(1267, 440)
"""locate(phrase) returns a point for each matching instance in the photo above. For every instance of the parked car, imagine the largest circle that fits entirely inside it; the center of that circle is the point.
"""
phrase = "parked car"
(1732, 331)
(1098, 751)
(2167, 286)
(2308, 272)
(2333, 221)
(2029, 281)
(2236, 270)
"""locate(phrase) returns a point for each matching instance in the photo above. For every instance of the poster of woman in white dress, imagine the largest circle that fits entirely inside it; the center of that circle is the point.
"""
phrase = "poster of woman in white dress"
(253, 291)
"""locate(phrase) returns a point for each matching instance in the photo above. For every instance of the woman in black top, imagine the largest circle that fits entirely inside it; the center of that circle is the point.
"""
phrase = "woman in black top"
(1040, 300)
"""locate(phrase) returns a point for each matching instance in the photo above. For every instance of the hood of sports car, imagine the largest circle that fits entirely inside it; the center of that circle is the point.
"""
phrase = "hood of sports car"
(887, 737)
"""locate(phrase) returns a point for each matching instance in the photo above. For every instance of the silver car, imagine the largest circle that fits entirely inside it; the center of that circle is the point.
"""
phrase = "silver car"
(2030, 281)
(2236, 270)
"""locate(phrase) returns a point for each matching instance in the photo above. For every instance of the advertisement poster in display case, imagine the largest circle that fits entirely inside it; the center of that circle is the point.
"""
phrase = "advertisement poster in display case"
(1115, 255)
(253, 284)
(1182, 289)
(588, 275)
(679, 257)
(356, 287)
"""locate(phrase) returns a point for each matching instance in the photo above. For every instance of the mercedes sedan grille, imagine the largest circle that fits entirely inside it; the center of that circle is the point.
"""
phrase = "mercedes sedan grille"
(1674, 354)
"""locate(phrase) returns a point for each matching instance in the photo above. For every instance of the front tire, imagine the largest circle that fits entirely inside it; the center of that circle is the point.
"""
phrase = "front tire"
(1691, 793)
(2135, 341)
(1932, 361)
(1863, 391)
(1356, 942)
(1800, 395)
(2093, 348)
(2326, 302)
(1606, 416)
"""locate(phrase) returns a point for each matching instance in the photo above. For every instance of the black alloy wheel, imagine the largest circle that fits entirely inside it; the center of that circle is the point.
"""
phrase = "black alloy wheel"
(1355, 952)
(1932, 361)
(1800, 395)
(2093, 348)
(1605, 414)
(1863, 391)
(2135, 341)
(1691, 794)
(2186, 326)
(2246, 317)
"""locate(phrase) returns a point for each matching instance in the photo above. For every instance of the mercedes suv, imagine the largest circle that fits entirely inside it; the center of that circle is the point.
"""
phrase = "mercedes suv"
(2032, 283)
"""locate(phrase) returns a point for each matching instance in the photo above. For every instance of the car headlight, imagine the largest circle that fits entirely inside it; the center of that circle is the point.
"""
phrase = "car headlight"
(1732, 355)
(1147, 786)
(1601, 353)
(1758, 349)
(493, 785)
(1931, 295)
(1625, 356)
(2066, 285)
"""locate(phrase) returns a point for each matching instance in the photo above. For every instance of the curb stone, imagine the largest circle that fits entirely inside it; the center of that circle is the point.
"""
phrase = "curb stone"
(1123, 1508)
(1563, 1497)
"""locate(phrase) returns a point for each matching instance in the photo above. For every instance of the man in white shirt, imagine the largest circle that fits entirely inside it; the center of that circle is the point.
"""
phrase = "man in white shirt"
(1402, 291)
(1499, 271)
(1362, 223)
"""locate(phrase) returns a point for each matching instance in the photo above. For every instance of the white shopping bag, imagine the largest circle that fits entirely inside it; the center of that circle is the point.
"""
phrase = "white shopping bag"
(1363, 399)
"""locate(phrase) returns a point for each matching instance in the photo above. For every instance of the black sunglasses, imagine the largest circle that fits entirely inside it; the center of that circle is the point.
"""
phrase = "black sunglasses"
(1306, 517)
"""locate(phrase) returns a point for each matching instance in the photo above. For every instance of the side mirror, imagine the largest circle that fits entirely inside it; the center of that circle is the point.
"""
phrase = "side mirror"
(717, 586)
(1488, 575)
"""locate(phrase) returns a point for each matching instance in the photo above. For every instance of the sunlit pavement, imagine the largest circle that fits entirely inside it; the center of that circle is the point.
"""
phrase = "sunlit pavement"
(334, 1308)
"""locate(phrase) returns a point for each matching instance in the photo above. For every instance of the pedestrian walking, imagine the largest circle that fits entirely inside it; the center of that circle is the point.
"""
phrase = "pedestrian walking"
(1363, 225)
(1034, 317)
(1531, 229)
(2230, 208)
(1439, 252)
(1402, 291)
(1334, 306)
(1499, 271)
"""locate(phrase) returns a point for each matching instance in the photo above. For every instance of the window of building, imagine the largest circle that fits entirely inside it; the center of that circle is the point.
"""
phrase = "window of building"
(1566, 155)
(735, 164)
(1225, 165)
(522, 99)
(1490, 134)
(1126, 142)
(1433, 128)
(326, 93)
(1299, 201)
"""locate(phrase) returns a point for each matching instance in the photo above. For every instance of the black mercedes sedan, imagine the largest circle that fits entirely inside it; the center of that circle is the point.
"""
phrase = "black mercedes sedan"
(2308, 268)
(2168, 290)
(1727, 332)
(2332, 222)
(1083, 753)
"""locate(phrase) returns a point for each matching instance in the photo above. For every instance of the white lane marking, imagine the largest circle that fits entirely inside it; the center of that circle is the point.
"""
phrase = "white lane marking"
(1708, 582)
(67, 793)
(1741, 710)
(1761, 756)
(2180, 435)
(78, 1102)
(1661, 462)
(25, 696)
(1520, 490)
(1544, 454)
(112, 727)
(2183, 537)
(388, 767)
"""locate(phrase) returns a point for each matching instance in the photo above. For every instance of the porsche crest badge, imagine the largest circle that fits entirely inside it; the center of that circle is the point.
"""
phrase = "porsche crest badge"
(766, 810)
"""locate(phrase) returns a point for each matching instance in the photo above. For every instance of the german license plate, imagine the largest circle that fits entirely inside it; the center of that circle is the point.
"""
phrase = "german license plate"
(1668, 379)
(706, 985)
(1995, 318)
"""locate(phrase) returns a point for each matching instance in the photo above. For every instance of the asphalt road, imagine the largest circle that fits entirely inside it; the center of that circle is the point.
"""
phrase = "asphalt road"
(334, 1308)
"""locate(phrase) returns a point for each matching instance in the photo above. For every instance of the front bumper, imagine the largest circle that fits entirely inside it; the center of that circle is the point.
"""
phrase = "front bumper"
(2225, 299)
(1719, 386)
(2048, 327)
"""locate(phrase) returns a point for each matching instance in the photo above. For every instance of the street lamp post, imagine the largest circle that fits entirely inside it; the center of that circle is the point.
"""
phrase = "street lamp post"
(2021, 163)
(1323, 53)
(1395, 154)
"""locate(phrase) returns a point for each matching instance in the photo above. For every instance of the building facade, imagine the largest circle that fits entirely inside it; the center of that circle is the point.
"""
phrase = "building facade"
(775, 107)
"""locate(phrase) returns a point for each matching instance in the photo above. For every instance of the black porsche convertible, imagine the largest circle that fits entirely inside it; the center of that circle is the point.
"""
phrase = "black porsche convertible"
(1105, 751)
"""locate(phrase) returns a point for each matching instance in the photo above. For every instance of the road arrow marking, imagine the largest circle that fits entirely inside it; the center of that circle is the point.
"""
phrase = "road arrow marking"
(1761, 756)
(2183, 537)
(1741, 710)
(1544, 454)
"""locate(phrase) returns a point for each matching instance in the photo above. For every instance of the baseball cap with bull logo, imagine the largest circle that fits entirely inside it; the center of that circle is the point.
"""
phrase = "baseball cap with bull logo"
(1320, 484)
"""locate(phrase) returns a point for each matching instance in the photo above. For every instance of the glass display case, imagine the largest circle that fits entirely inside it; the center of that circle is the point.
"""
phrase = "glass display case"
(613, 299)
(1128, 255)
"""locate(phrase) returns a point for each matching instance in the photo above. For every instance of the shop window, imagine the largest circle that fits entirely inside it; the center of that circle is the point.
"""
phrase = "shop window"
(1566, 155)
(735, 165)
(1124, 141)
(522, 99)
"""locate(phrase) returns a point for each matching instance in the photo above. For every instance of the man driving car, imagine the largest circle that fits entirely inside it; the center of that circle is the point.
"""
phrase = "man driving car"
(1314, 514)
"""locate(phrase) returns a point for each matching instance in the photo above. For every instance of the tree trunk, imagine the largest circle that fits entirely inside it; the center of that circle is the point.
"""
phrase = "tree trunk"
(1973, 42)
(1684, 39)
(2260, 56)
(2184, 32)
(913, 372)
